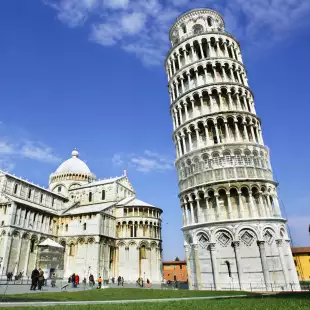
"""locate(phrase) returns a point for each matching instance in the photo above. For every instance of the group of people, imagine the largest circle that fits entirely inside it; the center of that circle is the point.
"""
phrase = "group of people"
(140, 282)
(75, 280)
(120, 281)
(37, 279)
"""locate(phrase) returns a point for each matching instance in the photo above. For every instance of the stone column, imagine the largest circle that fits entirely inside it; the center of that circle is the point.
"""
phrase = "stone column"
(186, 213)
(283, 264)
(236, 245)
(188, 266)
(263, 257)
(192, 212)
(241, 207)
(227, 131)
(197, 137)
(217, 133)
(277, 206)
(198, 210)
(218, 207)
(106, 261)
(184, 144)
(252, 206)
(229, 206)
(190, 143)
(293, 274)
(6, 252)
(214, 265)
(25, 269)
(197, 266)
(186, 111)
(206, 218)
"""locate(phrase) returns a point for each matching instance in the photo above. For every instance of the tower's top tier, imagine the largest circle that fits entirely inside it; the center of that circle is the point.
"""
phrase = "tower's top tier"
(195, 22)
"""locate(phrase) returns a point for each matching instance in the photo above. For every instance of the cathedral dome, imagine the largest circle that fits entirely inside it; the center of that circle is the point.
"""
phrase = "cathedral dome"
(72, 172)
(73, 165)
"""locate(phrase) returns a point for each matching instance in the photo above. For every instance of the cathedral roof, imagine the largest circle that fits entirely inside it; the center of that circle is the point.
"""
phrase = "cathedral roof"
(133, 202)
(50, 242)
(73, 165)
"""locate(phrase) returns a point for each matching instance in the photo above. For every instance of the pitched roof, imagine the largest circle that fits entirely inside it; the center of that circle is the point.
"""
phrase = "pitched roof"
(89, 208)
(174, 262)
(100, 182)
(50, 242)
(133, 202)
(301, 250)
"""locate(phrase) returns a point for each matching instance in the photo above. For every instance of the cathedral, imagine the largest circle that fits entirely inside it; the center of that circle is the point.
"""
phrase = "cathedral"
(78, 225)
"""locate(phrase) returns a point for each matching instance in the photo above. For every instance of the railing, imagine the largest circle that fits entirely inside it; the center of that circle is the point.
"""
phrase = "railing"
(252, 286)
(224, 174)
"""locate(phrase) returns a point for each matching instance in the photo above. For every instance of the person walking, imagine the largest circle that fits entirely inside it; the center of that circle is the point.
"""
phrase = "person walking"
(77, 280)
(99, 282)
(119, 280)
(122, 281)
(41, 279)
(53, 280)
(73, 280)
(34, 279)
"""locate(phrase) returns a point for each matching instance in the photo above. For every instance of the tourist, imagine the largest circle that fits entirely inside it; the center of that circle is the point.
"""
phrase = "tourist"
(77, 280)
(99, 282)
(122, 281)
(119, 280)
(53, 283)
(34, 279)
(73, 280)
(91, 280)
(40, 279)
(113, 280)
(148, 283)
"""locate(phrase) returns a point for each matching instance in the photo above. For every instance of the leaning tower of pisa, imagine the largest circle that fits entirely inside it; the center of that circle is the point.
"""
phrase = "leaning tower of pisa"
(234, 234)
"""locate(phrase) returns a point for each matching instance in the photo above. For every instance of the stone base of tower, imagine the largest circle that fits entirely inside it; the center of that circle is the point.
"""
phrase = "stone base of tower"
(234, 256)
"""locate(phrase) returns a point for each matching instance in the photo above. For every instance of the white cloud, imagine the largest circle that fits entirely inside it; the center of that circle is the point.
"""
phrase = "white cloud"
(10, 152)
(141, 26)
(39, 151)
(117, 160)
(6, 148)
(147, 162)
(116, 4)
(133, 23)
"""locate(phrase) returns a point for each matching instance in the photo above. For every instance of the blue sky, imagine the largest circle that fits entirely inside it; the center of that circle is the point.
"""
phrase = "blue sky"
(89, 74)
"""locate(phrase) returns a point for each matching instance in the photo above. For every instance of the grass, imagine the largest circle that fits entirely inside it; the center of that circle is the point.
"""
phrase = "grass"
(297, 301)
(115, 294)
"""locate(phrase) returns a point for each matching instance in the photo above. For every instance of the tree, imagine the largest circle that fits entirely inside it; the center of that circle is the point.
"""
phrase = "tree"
(177, 259)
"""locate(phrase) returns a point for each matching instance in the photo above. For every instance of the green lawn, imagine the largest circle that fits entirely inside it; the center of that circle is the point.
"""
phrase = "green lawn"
(116, 294)
(297, 302)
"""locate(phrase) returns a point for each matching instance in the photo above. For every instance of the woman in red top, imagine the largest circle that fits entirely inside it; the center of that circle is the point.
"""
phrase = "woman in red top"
(77, 280)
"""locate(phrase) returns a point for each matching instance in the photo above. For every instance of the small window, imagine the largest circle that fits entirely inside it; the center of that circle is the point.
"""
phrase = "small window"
(183, 28)
(90, 197)
(71, 250)
(2, 223)
(32, 244)
(66, 227)
(53, 200)
(59, 189)
(103, 195)
(15, 188)
(29, 193)
(228, 268)
(84, 226)
(210, 21)
(197, 29)
(181, 267)
(41, 198)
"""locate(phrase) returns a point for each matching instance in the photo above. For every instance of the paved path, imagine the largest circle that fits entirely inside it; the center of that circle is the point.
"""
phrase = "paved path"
(102, 302)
